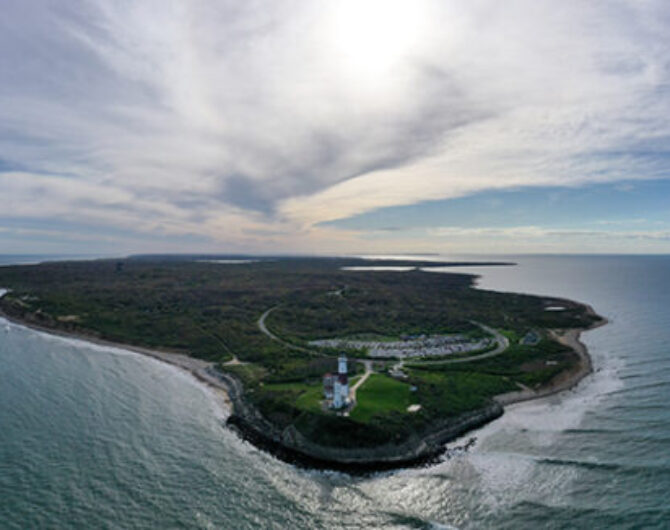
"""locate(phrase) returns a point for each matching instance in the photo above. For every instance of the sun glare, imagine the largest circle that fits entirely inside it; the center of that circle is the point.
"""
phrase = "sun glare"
(372, 37)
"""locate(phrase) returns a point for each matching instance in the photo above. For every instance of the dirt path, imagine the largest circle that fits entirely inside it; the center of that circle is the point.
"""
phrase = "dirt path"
(353, 389)
(234, 361)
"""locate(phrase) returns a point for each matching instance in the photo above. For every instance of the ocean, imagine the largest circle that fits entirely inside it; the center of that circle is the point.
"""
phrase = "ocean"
(96, 437)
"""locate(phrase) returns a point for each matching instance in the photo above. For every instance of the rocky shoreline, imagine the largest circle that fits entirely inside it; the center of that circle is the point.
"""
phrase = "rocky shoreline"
(415, 452)
(290, 446)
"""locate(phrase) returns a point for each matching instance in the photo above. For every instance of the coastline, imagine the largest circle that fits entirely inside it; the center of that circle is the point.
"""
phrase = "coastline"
(198, 368)
(571, 338)
(295, 449)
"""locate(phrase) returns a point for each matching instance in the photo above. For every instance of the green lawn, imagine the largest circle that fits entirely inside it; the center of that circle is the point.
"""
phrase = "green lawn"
(380, 395)
(307, 396)
(250, 374)
(511, 335)
(446, 394)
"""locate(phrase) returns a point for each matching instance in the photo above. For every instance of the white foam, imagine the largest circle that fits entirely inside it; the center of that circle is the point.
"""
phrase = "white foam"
(567, 410)
(220, 407)
(73, 341)
(503, 465)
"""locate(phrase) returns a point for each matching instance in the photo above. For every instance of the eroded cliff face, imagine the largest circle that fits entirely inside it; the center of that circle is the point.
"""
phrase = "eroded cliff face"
(292, 446)
(416, 447)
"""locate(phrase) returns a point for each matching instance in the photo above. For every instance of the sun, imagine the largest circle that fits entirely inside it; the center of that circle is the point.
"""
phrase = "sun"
(372, 38)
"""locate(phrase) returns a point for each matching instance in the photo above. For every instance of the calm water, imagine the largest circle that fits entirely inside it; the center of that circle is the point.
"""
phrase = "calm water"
(99, 438)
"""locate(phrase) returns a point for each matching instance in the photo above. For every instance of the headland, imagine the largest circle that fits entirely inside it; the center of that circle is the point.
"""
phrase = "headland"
(405, 411)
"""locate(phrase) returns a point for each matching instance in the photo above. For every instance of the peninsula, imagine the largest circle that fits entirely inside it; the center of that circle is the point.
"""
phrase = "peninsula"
(423, 356)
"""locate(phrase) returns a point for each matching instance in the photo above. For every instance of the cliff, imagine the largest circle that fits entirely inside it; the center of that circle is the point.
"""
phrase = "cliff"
(291, 446)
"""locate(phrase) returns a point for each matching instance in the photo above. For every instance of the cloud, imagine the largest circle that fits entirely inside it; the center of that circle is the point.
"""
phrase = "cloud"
(535, 232)
(448, 240)
(251, 122)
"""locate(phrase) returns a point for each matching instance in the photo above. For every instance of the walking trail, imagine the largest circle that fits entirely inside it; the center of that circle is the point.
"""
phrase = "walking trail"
(355, 387)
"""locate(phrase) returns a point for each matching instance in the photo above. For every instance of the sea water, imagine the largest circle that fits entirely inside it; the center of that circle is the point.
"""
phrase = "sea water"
(94, 437)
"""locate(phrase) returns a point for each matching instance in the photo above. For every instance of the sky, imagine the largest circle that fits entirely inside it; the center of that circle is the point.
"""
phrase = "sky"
(334, 126)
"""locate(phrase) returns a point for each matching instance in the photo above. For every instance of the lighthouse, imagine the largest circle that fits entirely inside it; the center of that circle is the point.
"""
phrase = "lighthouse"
(342, 365)
(341, 386)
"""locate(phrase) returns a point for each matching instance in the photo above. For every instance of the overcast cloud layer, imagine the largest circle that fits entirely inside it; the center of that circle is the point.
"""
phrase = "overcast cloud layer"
(249, 123)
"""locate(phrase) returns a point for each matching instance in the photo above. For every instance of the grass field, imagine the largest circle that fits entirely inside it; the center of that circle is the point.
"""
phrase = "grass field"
(525, 364)
(444, 394)
(380, 395)
(511, 335)
(305, 396)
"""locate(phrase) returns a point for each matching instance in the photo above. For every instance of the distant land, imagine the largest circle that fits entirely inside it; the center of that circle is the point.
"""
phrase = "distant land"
(429, 356)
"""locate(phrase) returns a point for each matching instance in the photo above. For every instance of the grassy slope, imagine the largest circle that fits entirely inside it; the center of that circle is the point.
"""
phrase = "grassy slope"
(304, 396)
(529, 365)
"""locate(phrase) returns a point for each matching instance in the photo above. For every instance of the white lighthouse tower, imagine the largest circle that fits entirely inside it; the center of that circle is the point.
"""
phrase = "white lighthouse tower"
(342, 365)
(341, 386)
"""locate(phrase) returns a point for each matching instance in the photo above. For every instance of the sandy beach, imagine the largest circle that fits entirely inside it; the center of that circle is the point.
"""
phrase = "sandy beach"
(200, 369)
(567, 380)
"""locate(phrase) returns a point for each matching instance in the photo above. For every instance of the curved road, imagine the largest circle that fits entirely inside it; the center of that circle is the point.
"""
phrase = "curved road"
(264, 329)
(262, 326)
(502, 341)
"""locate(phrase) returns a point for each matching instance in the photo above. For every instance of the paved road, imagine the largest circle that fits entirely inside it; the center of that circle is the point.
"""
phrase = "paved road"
(500, 339)
(264, 329)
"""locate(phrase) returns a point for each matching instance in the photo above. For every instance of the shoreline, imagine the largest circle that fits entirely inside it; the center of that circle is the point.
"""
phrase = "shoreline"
(293, 448)
(196, 367)
(569, 337)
